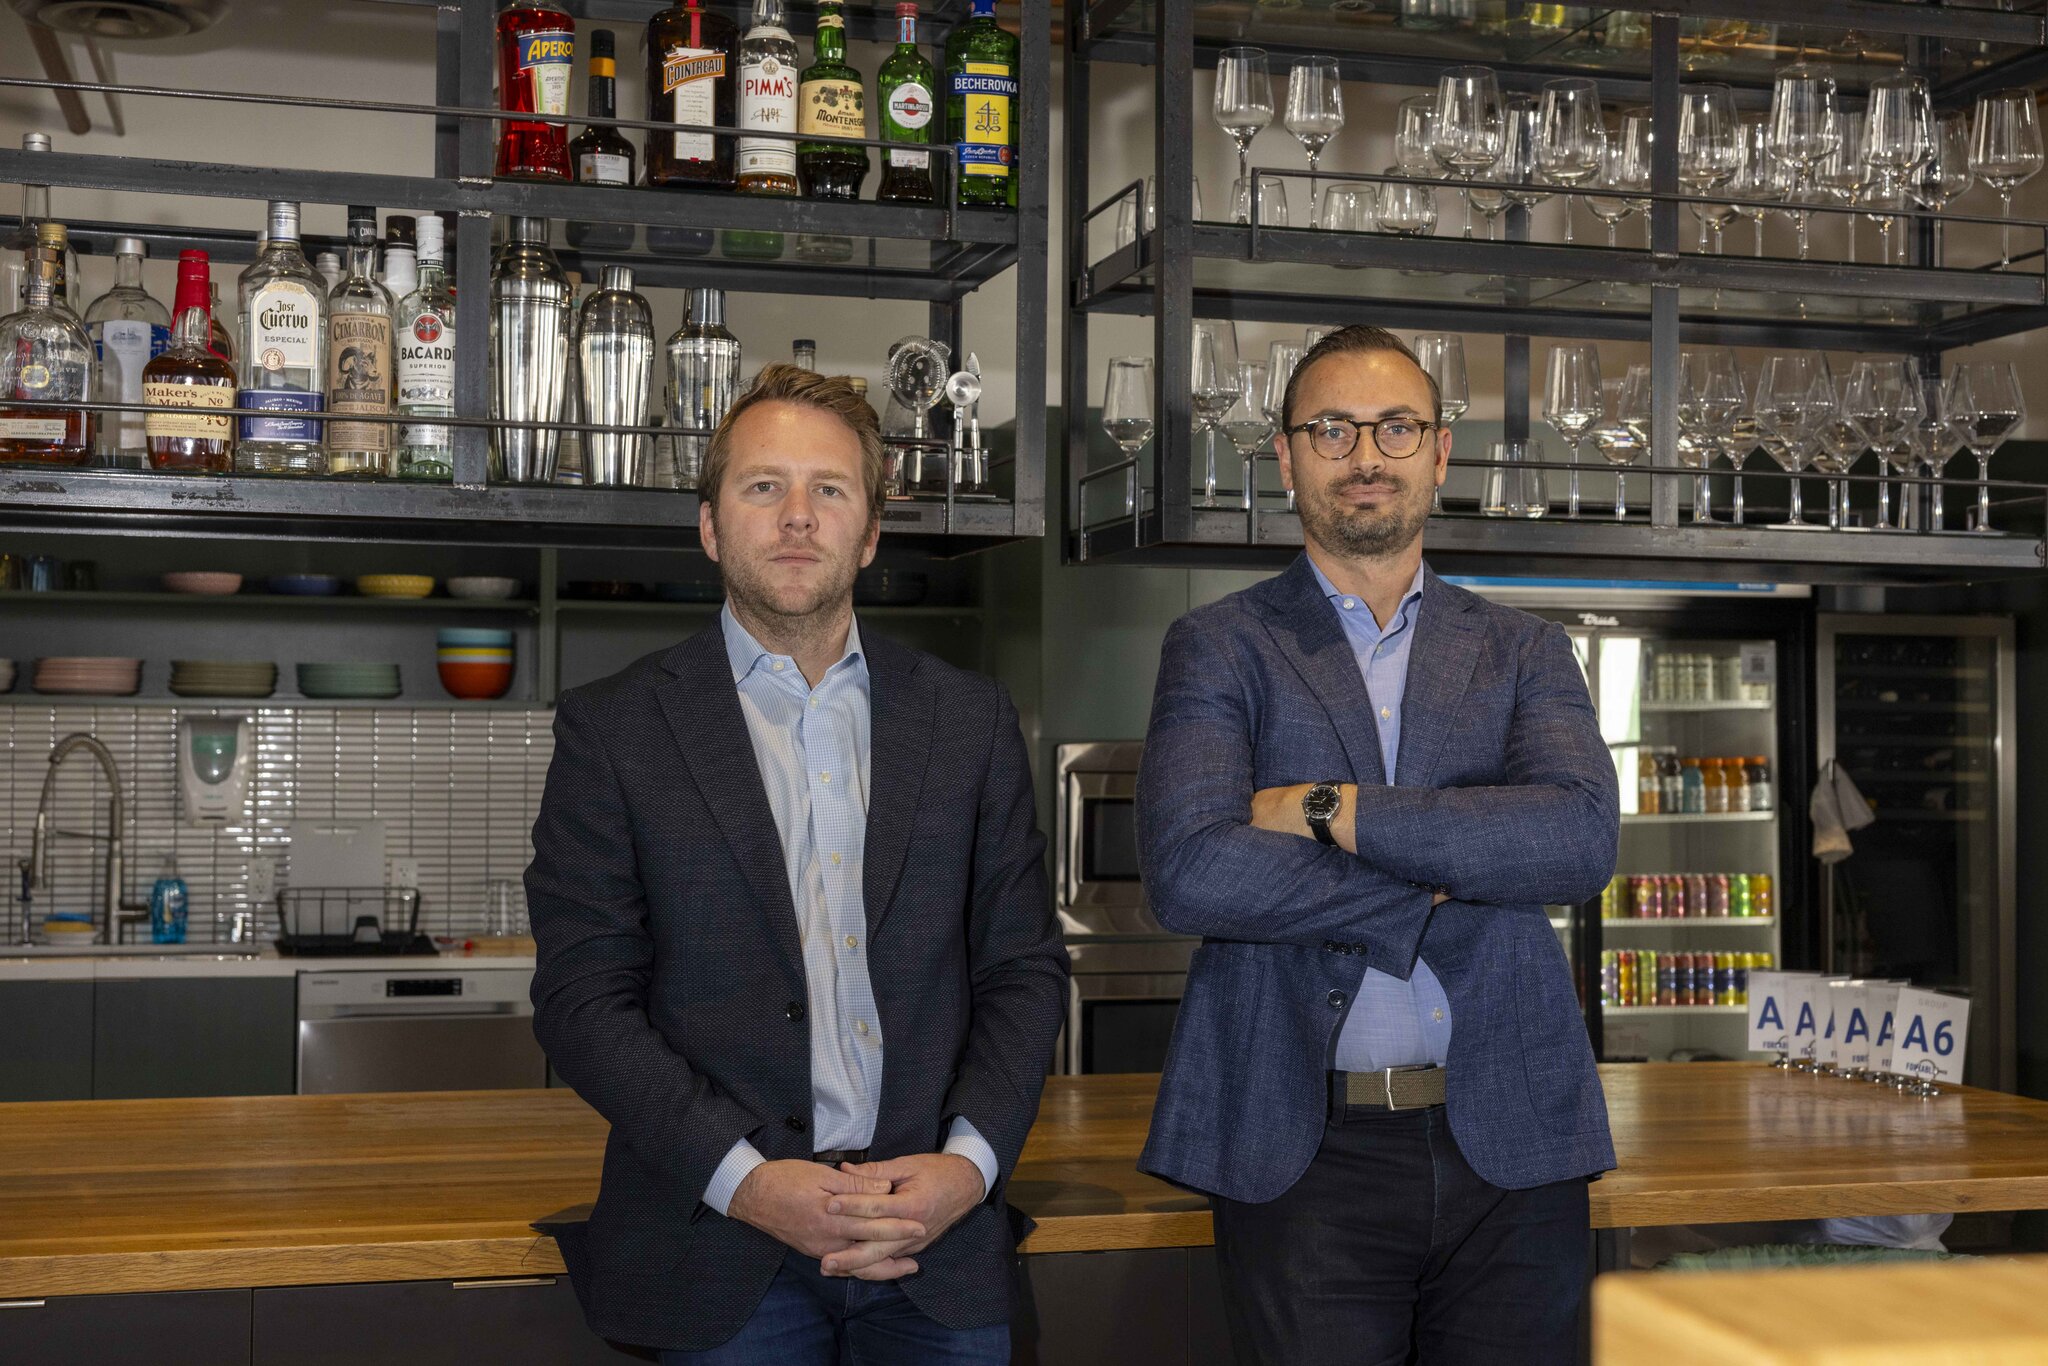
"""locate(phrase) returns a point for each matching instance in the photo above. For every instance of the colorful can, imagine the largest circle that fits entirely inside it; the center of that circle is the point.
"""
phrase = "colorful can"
(1625, 978)
(1742, 963)
(1696, 903)
(1738, 894)
(1724, 979)
(1608, 980)
(1650, 898)
(1667, 980)
(1717, 895)
(1610, 898)
(1646, 974)
(1760, 900)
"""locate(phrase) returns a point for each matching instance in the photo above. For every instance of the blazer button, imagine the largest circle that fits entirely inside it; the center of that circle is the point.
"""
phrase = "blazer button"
(1336, 1000)
(794, 1010)
(797, 1123)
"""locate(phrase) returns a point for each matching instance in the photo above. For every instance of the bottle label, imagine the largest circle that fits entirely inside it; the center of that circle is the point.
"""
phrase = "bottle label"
(602, 168)
(767, 101)
(910, 105)
(359, 376)
(280, 324)
(988, 91)
(124, 347)
(32, 429)
(426, 377)
(178, 394)
(295, 429)
(690, 77)
(544, 61)
(832, 108)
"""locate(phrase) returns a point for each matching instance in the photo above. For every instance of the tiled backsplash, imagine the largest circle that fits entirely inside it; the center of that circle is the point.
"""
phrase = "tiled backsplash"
(456, 790)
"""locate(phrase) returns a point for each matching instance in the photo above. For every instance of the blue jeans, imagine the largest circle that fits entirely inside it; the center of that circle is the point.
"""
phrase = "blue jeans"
(811, 1319)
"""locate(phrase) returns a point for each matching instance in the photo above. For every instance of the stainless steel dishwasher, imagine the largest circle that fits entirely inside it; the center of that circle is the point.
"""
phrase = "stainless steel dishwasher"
(417, 1029)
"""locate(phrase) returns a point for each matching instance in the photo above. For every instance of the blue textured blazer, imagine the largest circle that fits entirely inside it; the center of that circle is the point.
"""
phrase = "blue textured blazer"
(1505, 797)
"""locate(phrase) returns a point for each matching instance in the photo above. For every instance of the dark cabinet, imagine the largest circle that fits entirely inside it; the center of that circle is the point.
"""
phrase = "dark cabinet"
(428, 1323)
(47, 1027)
(190, 1328)
(1159, 1306)
(193, 1036)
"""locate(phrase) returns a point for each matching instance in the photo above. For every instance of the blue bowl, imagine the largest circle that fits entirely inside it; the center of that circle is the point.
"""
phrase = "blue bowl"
(473, 636)
(304, 585)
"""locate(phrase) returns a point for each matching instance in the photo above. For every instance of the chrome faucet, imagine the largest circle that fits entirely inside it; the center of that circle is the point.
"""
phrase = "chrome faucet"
(36, 871)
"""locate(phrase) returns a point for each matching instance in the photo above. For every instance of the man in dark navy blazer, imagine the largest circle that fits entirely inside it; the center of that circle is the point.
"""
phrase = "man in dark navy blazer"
(1362, 786)
(795, 943)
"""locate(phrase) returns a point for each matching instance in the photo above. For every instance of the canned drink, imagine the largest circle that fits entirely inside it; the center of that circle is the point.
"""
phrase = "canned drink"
(1742, 961)
(1682, 677)
(1760, 894)
(1738, 894)
(1703, 678)
(1610, 899)
(1724, 979)
(1646, 972)
(1667, 980)
(1650, 898)
(1625, 977)
(1607, 977)
(1717, 895)
(1665, 678)
(1696, 894)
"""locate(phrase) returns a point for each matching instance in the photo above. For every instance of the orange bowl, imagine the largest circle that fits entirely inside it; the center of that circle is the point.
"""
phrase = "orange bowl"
(476, 682)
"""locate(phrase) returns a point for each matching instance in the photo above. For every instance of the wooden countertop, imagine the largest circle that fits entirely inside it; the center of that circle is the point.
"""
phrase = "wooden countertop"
(104, 1196)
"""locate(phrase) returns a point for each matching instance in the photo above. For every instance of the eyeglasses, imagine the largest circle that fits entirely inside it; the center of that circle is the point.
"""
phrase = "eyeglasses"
(1334, 438)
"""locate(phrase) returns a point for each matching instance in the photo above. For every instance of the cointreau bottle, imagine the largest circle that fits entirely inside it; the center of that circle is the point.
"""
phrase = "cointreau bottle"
(536, 51)
(692, 77)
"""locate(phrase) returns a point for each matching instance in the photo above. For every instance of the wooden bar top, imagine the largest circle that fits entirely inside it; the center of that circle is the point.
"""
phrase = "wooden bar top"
(106, 1196)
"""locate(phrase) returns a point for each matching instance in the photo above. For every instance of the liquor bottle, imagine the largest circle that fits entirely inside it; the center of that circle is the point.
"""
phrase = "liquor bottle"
(46, 357)
(529, 353)
(327, 265)
(768, 73)
(599, 154)
(426, 363)
(615, 358)
(190, 375)
(400, 273)
(360, 369)
(981, 109)
(536, 49)
(703, 379)
(35, 209)
(223, 342)
(128, 330)
(692, 77)
(904, 93)
(803, 353)
(831, 103)
(283, 351)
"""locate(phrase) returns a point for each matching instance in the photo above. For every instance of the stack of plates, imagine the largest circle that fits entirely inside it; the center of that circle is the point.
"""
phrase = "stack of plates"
(222, 678)
(94, 676)
(336, 681)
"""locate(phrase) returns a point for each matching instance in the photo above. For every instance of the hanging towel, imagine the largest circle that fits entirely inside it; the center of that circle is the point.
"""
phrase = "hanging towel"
(1836, 809)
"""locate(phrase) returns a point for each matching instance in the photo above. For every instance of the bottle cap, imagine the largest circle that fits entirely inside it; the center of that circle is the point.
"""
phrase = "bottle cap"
(804, 344)
(130, 246)
(907, 9)
(429, 232)
(284, 221)
(601, 42)
(192, 261)
(51, 235)
(400, 229)
(35, 142)
(618, 279)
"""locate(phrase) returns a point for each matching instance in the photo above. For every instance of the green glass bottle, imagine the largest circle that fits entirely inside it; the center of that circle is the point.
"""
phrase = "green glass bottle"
(981, 108)
(904, 88)
(832, 102)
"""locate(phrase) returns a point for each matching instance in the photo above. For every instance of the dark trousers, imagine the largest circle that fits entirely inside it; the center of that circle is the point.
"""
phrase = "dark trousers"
(1391, 1250)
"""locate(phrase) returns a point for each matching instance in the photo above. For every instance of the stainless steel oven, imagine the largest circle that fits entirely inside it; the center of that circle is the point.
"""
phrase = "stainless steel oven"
(417, 1029)
(1129, 972)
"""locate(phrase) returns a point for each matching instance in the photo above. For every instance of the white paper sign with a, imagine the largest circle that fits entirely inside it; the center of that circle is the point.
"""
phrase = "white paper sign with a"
(1831, 1008)
(1933, 1032)
(1771, 1009)
(1855, 1030)
(1806, 997)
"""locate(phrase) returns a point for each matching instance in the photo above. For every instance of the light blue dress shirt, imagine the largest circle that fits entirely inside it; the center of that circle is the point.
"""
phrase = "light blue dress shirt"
(812, 746)
(1392, 1023)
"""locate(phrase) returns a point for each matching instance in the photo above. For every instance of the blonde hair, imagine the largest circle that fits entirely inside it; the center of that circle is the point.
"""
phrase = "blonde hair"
(786, 383)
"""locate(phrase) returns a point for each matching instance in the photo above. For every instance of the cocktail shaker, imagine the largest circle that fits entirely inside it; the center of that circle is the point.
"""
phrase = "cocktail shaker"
(529, 353)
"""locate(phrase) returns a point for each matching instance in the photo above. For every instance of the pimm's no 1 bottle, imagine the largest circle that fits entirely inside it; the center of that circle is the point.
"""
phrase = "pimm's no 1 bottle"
(904, 86)
(536, 51)
(361, 375)
(765, 166)
(283, 352)
(45, 356)
(981, 108)
(831, 103)
(190, 375)
(601, 155)
(692, 77)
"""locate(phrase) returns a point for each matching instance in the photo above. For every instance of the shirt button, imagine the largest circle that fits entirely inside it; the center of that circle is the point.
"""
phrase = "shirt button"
(835, 860)
(794, 1010)
(814, 701)
(851, 942)
(1437, 1014)
(797, 1123)
(860, 1027)
(1386, 714)
(777, 666)
(1350, 603)
(1336, 1000)
(824, 777)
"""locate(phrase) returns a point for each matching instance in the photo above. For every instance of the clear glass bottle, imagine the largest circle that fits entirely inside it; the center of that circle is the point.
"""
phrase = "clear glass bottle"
(361, 374)
(530, 304)
(400, 273)
(283, 350)
(768, 79)
(703, 379)
(45, 356)
(426, 361)
(129, 329)
(190, 375)
(803, 352)
(35, 209)
(328, 265)
(223, 335)
(615, 359)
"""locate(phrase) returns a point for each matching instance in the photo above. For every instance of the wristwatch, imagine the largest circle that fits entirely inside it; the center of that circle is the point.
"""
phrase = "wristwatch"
(1320, 805)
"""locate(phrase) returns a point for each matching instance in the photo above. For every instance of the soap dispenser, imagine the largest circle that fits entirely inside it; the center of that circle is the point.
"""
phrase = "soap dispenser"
(167, 902)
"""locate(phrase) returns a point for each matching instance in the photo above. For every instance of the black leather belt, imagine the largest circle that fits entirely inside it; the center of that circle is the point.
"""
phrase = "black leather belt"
(1390, 1088)
(832, 1159)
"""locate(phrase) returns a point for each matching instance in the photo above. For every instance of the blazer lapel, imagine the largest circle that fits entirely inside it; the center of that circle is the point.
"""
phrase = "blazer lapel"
(1440, 664)
(1309, 634)
(901, 707)
(703, 710)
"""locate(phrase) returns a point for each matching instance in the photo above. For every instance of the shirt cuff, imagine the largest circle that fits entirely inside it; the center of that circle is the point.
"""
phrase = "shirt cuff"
(740, 1159)
(964, 1140)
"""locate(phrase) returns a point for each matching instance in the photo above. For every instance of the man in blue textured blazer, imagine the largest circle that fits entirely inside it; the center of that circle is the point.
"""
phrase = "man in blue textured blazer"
(1361, 787)
(795, 943)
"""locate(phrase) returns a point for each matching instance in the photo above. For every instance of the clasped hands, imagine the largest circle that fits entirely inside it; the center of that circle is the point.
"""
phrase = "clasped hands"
(1279, 809)
(868, 1221)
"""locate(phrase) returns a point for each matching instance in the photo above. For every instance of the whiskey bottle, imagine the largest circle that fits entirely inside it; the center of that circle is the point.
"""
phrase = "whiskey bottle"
(190, 375)
(692, 77)
(981, 109)
(360, 370)
(45, 357)
(536, 49)
(904, 90)
(426, 362)
(599, 154)
(128, 330)
(831, 103)
(283, 349)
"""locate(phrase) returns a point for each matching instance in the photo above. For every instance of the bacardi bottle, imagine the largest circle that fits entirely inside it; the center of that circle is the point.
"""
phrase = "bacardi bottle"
(129, 329)
(190, 375)
(283, 350)
(426, 363)
(981, 108)
(692, 77)
(361, 374)
(536, 51)
(904, 86)
(831, 103)
(599, 154)
(45, 357)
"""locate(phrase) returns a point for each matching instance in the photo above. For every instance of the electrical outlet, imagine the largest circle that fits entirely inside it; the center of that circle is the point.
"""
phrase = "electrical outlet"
(405, 872)
(262, 879)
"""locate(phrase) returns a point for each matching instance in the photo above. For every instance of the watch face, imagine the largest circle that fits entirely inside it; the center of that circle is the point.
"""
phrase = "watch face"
(1321, 802)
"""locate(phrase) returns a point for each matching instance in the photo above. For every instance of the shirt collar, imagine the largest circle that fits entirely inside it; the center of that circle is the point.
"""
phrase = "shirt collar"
(745, 654)
(1330, 591)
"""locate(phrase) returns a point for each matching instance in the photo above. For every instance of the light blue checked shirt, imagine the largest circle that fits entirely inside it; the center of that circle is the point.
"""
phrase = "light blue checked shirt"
(812, 745)
(1392, 1023)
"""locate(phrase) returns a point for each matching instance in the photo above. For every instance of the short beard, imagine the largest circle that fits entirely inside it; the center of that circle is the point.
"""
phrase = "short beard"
(792, 626)
(1362, 535)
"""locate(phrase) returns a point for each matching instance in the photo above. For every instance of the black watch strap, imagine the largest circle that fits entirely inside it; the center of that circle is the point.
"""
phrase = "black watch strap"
(1319, 826)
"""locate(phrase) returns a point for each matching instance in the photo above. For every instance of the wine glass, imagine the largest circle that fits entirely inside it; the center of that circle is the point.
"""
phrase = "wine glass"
(1406, 209)
(1736, 440)
(1625, 169)
(1881, 398)
(1614, 438)
(1752, 183)
(1520, 122)
(1350, 207)
(1839, 439)
(1944, 177)
(1442, 357)
(1786, 420)
(1983, 401)
(1246, 425)
(1571, 403)
(1311, 335)
(1127, 230)
(1709, 147)
(1469, 128)
(1213, 382)
(1281, 359)
(1272, 202)
(1709, 398)
(2005, 150)
(1244, 98)
(1315, 108)
(1898, 132)
(1570, 137)
(1415, 136)
(1127, 415)
(1805, 126)
(1842, 174)
(1935, 438)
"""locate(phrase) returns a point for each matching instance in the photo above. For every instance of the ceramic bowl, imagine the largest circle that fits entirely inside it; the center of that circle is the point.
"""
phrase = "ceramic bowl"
(395, 585)
(473, 638)
(474, 656)
(303, 585)
(474, 586)
(476, 682)
(203, 582)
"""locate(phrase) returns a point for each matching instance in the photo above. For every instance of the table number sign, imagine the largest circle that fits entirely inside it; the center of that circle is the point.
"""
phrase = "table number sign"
(1931, 1032)
(1774, 1002)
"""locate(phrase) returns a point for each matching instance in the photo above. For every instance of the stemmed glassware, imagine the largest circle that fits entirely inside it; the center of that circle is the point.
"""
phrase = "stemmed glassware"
(1614, 438)
(1898, 139)
(1709, 399)
(1805, 126)
(2005, 150)
(1737, 439)
(1247, 426)
(1945, 175)
(1709, 148)
(1752, 182)
(1882, 400)
(1788, 419)
(1127, 415)
(1415, 136)
(1838, 440)
(1570, 137)
(1571, 403)
(1843, 176)
(1315, 108)
(1281, 358)
(1515, 166)
(1405, 209)
(1213, 382)
(1625, 169)
(1469, 127)
(1244, 99)
(1442, 357)
(1984, 405)
(1934, 437)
